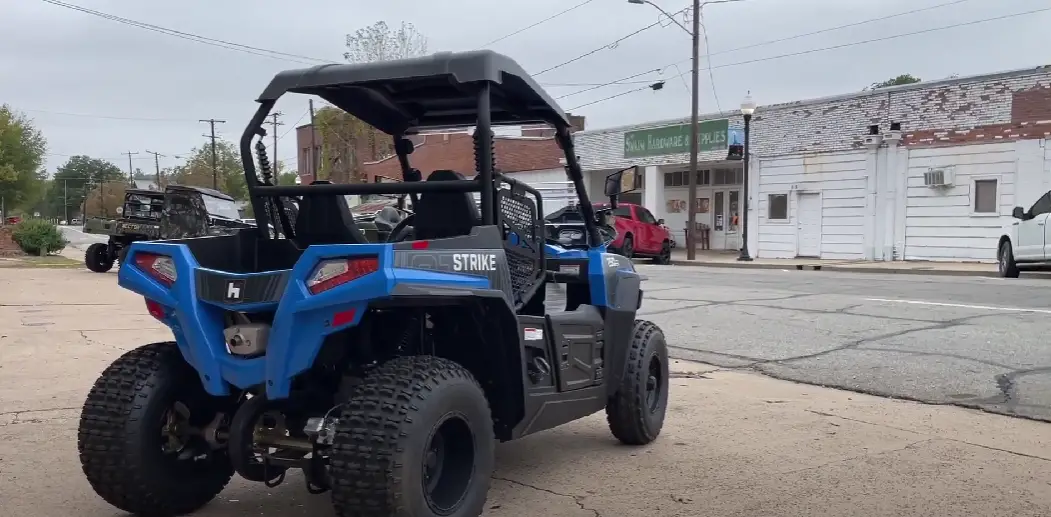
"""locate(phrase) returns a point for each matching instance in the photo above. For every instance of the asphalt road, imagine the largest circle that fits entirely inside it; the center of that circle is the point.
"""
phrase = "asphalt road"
(972, 341)
(79, 239)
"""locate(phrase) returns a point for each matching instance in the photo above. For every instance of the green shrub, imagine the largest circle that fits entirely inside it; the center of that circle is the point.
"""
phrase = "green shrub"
(36, 235)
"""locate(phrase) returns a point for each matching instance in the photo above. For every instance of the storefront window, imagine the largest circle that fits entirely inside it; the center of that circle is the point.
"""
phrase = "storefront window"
(735, 220)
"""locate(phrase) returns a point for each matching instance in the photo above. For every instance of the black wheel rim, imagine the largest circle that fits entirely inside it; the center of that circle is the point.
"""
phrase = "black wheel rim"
(654, 384)
(1003, 259)
(448, 464)
(180, 444)
(628, 248)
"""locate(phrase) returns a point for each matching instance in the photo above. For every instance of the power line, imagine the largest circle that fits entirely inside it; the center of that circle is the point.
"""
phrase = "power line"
(771, 42)
(574, 108)
(855, 43)
(545, 20)
(610, 45)
(67, 114)
(294, 125)
(248, 49)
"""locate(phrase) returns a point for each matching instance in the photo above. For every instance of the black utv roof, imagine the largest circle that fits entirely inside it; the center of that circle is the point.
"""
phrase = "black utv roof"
(440, 90)
(202, 190)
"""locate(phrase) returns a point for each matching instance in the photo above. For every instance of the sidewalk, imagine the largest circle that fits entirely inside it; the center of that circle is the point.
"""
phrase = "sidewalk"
(915, 267)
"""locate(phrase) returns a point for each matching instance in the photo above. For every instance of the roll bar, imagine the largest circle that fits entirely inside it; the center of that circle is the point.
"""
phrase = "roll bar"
(263, 193)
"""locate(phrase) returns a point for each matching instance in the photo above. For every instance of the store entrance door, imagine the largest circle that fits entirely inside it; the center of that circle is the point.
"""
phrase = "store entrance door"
(726, 203)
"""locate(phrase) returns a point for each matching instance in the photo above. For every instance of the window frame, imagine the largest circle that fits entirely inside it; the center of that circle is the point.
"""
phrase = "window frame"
(973, 197)
(1029, 211)
(788, 206)
(641, 211)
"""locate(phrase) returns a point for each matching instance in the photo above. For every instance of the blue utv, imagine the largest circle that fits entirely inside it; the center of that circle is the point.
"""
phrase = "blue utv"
(385, 369)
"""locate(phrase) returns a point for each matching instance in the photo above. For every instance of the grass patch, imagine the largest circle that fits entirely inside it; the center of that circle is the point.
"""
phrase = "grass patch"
(49, 261)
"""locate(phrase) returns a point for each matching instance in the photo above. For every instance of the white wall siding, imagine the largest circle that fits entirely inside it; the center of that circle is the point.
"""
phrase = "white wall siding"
(840, 178)
(939, 222)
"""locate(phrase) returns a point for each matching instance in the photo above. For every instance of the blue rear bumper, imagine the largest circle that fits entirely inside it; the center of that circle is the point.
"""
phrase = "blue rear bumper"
(301, 320)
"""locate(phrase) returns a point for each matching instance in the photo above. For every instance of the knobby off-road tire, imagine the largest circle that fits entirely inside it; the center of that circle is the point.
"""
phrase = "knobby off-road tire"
(97, 259)
(120, 439)
(385, 432)
(1006, 266)
(636, 412)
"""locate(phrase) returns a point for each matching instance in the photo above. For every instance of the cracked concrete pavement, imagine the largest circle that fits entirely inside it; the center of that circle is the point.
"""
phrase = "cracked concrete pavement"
(969, 341)
(736, 443)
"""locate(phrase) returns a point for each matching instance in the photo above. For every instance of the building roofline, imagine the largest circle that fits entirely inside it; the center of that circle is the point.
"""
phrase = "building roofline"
(828, 98)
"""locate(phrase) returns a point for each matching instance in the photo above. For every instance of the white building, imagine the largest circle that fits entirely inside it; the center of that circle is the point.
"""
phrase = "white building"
(927, 171)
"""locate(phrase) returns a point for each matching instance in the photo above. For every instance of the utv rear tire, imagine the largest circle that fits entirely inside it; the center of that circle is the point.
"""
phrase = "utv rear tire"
(120, 436)
(636, 412)
(97, 258)
(383, 444)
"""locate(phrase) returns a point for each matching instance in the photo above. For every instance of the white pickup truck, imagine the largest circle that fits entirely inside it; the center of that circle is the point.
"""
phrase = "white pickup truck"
(1026, 242)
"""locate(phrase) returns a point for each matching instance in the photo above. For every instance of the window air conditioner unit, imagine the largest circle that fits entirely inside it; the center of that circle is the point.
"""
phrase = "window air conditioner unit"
(938, 177)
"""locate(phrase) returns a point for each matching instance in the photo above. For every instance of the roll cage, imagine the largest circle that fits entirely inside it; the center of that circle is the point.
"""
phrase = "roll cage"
(403, 97)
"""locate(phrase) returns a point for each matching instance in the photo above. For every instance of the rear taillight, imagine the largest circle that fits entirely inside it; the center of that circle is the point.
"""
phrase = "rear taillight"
(160, 267)
(336, 272)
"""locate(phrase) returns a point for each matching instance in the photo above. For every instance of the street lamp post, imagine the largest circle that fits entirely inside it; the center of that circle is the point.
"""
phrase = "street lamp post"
(691, 251)
(747, 109)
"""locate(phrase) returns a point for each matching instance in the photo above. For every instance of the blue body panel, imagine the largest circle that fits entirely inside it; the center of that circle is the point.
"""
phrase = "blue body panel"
(301, 320)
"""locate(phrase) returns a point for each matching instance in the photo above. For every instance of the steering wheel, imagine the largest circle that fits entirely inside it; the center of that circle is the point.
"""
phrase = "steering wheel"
(395, 235)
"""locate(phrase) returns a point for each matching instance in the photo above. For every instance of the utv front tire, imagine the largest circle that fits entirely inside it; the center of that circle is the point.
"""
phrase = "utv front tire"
(636, 412)
(121, 442)
(97, 258)
(415, 438)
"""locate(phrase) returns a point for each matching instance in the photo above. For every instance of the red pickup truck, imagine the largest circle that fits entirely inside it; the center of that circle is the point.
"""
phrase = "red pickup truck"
(639, 234)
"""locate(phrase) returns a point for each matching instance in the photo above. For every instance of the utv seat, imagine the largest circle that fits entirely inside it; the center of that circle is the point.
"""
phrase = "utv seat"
(440, 215)
(326, 220)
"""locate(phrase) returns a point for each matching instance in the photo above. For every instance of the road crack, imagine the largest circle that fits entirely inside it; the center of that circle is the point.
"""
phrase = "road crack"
(576, 499)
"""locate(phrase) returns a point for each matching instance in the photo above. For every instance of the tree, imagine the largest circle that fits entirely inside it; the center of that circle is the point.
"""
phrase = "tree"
(197, 171)
(104, 199)
(346, 141)
(895, 81)
(75, 179)
(22, 149)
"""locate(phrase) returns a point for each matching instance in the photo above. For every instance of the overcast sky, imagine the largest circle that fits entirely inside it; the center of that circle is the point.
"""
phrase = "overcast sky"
(56, 60)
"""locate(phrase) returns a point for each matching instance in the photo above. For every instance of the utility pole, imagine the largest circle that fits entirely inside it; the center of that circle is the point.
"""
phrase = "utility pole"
(157, 167)
(313, 131)
(275, 123)
(65, 201)
(215, 160)
(131, 171)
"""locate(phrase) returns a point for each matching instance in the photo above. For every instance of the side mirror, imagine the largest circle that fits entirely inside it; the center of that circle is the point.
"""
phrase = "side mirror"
(660, 221)
(620, 182)
(1018, 213)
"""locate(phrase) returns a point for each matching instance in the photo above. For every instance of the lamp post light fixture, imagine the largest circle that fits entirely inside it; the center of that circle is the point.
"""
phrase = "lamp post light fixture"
(747, 109)
(691, 251)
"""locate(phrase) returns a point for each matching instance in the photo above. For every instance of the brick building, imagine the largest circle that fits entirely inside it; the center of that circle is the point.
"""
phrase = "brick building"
(533, 150)
(921, 171)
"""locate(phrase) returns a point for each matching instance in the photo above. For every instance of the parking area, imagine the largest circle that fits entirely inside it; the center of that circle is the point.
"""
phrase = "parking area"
(736, 443)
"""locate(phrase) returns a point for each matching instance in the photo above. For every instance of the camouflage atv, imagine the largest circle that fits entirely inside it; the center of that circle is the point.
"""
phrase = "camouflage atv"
(177, 213)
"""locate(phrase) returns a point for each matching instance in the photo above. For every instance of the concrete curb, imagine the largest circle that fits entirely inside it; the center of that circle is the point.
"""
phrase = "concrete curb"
(844, 268)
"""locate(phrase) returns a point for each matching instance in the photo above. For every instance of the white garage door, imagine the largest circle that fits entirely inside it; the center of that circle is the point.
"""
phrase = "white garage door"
(808, 216)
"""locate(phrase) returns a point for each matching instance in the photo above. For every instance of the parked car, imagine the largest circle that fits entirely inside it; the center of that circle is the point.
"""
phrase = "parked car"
(1026, 243)
(639, 234)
